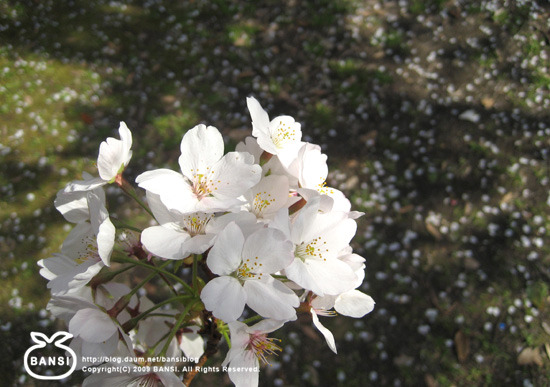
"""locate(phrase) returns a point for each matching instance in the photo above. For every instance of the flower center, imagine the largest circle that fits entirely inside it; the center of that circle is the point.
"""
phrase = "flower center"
(284, 132)
(204, 184)
(247, 270)
(323, 189)
(88, 251)
(313, 249)
(262, 200)
(261, 346)
(196, 223)
(325, 312)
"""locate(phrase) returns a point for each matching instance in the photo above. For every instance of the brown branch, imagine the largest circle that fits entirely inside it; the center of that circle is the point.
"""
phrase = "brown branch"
(214, 338)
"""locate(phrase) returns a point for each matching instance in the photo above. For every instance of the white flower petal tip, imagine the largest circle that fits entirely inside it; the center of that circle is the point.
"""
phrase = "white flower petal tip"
(280, 136)
(354, 304)
(114, 155)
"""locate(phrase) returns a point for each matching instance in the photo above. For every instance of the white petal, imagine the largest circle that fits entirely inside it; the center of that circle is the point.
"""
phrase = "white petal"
(264, 140)
(298, 272)
(65, 306)
(199, 243)
(66, 274)
(92, 325)
(281, 222)
(268, 196)
(170, 379)
(74, 205)
(285, 131)
(162, 214)
(225, 256)
(87, 184)
(98, 212)
(357, 264)
(106, 241)
(114, 154)
(323, 303)
(335, 229)
(201, 147)
(326, 203)
(354, 304)
(306, 217)
(288, 154)
(98, 350)
(250, 145)
(312, 166)
(126, 137)
(271, 299)
(244, 219)
(265, 326)
(224, 297)
(268, 251)
(75, 244)
(173, 188)
(332, 276)
(234, 174)
(341, 202)
(239, 337)
(326, 333)
(244, 360)
(192, 345)
(260, 118)
(56, 265)
(164, 242)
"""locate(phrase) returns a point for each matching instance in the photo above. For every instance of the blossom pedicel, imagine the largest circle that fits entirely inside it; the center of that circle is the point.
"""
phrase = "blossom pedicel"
(261, 235)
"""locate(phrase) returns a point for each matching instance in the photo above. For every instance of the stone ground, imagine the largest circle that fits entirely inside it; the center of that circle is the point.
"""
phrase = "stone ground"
(434, 115)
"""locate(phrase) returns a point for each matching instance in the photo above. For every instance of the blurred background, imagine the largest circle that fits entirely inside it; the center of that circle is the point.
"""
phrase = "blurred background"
(435, 118)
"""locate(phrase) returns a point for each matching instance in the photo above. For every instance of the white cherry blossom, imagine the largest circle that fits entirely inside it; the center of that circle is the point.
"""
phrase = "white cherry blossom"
(310, 168)
(180, 235)
(73, 205)
(114, 156)
(95, 332)
(268, 196)
(244, 267)
(262, 218)
(318, 239)
(281, 136)
(84, 252)
(209, 181)
(352, 303)
(249, 347)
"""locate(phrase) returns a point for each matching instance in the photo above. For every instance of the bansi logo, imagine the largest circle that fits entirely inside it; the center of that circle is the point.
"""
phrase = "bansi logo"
(34, 357)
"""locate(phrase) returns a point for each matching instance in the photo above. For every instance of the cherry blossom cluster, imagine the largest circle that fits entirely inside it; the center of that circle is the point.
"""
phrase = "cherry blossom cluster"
(241, 242)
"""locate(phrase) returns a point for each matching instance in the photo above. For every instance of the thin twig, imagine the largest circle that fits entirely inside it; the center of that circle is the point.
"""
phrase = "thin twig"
(214, 338)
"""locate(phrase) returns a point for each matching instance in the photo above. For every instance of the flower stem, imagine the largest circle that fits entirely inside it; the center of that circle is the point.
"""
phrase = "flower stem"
(252, 319)
(282, 278)
(106, 275)
(214, 338)
(195, 264)
(125, 300)
(130, 191)
(188, 288)
(130, 324)
(119, 224)
(166, 281)
(177, 325)
(147, 279)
